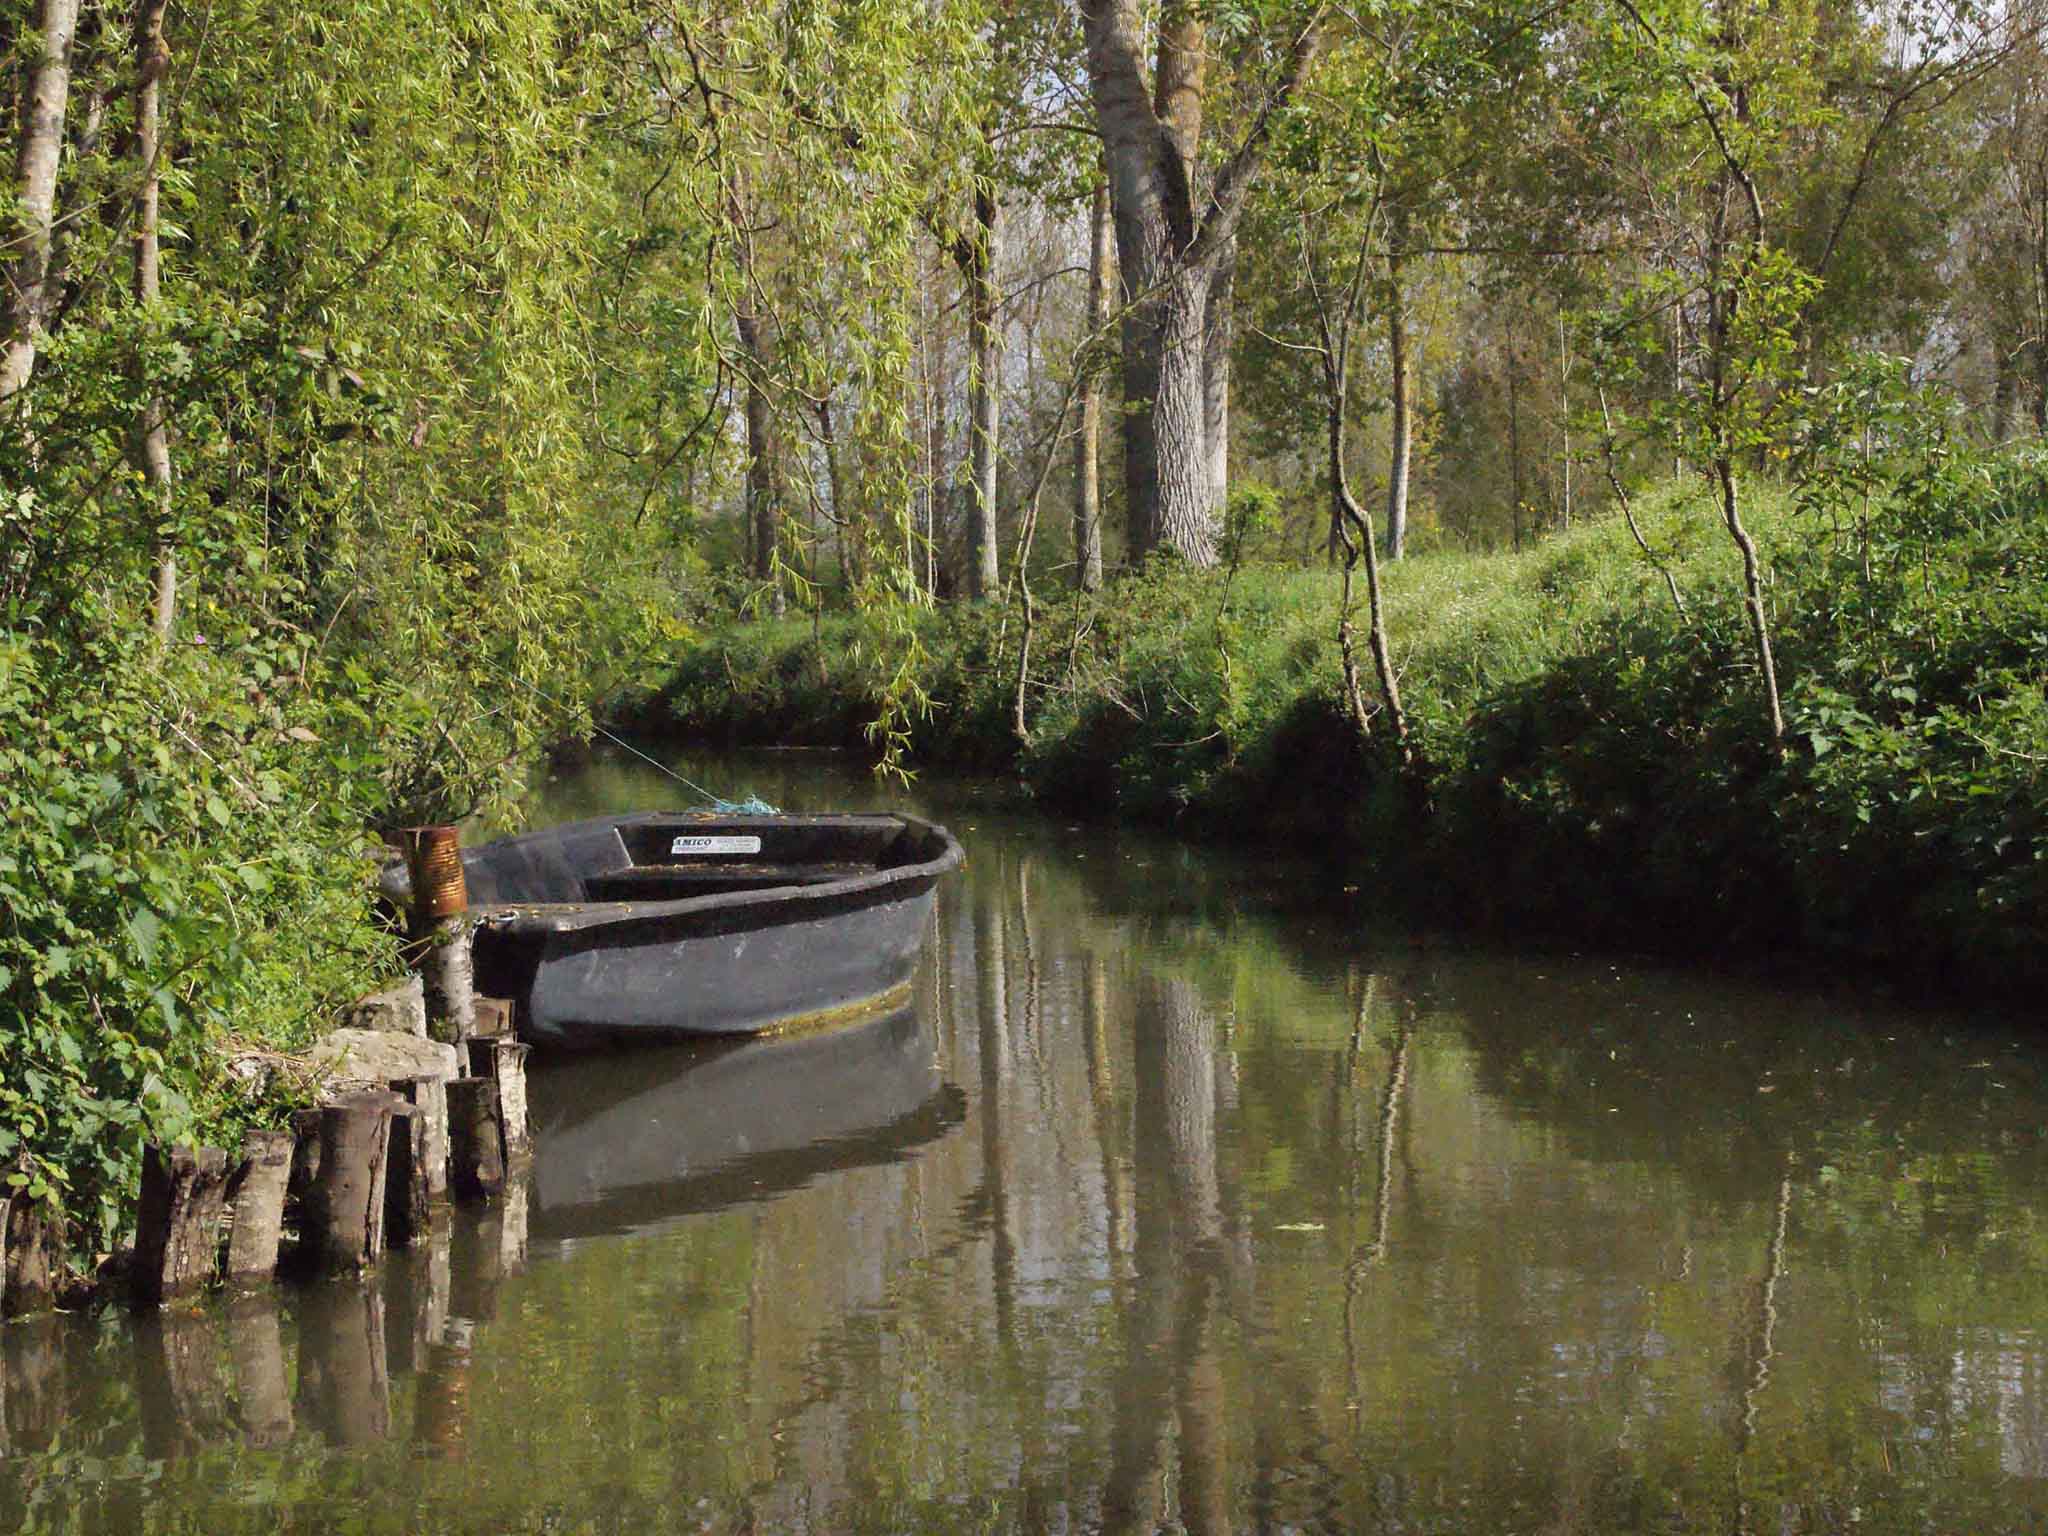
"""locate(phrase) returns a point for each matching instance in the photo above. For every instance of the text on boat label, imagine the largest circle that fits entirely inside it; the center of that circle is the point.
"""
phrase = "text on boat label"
(684, 845)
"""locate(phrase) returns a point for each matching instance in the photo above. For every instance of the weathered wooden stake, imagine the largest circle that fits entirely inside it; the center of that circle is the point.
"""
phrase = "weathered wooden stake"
(448, 971)
(34, 1253)
(505, 1060)
(177, 1229)
(429, 1095)
(256, 1193)
(476, 1166)
(493, 1017)
(407, 1212)
(345, 1214)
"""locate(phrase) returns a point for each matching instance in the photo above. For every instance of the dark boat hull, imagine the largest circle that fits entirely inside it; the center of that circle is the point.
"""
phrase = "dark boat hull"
(821, 921)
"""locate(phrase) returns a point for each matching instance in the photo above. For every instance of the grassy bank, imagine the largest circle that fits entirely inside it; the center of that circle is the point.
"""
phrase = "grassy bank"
(1596, 762)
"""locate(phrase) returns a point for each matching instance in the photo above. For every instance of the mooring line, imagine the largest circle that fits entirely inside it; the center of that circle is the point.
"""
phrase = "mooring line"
(753, 805)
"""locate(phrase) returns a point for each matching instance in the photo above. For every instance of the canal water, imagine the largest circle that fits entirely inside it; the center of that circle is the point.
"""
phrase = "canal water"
(1184, 1197)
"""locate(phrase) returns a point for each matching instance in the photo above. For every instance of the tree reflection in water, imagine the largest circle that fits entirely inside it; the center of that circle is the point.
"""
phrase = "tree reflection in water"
(1159, 1213)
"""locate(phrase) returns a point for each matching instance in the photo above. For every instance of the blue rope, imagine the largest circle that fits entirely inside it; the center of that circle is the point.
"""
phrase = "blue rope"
(753, 805)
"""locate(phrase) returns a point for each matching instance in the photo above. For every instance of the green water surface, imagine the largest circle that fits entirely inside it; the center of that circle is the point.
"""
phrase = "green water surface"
(1185, 1198)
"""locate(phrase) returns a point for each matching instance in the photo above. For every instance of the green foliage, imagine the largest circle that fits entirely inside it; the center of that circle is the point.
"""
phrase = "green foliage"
(443, 340)
(1596, 762)
(182, 867)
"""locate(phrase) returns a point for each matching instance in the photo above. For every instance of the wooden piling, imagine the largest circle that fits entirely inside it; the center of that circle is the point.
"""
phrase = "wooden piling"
(407, 1212)
(429, 1095)
(345, 1211)
(504, 1059)
(476, 1167)
(448, 972)
(256, 1192)
(493, 1017)
(177, 1229)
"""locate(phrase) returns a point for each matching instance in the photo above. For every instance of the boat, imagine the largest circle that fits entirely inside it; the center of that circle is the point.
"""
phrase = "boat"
(632, 1144)
(662, 925)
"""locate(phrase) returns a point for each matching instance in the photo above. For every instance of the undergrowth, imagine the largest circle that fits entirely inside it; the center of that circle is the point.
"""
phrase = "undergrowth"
(1595, 762)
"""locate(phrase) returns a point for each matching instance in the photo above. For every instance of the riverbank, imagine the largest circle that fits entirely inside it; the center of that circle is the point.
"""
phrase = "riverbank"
(1596, 756)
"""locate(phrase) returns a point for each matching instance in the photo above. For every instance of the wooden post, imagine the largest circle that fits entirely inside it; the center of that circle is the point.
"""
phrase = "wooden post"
(345, 1214)
(305, 1158)
(35, 1247)
(448, 971)
(476, 1168)
(256, 1197)
(493, 1017)
(429, 1095)
(177, 1230)
(407, 1212)
(504, 1060)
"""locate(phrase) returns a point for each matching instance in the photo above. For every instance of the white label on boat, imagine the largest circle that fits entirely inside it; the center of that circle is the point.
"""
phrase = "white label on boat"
(714, 845)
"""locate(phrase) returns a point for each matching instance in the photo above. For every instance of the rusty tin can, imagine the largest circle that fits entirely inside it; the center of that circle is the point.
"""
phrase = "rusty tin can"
(433, 858)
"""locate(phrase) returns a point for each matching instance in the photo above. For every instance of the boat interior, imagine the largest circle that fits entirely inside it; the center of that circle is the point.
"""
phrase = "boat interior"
(669, 858)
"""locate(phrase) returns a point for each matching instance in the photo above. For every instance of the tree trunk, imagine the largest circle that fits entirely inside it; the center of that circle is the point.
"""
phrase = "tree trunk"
(153, 448)
(1752, 591)
(40, 147)
(1088, 444)
(1171, 237)
(1403, 427)
(1515, 445)
(764, 488)
(1167, 493)
(977, 257)
(1218, 333)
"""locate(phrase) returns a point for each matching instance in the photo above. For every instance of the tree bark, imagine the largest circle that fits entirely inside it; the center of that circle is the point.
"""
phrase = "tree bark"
(40, 147)
(1170, 244)
(153, 448)
(1088, 443)
(1219, 331)
(977, 258)
(1403, 424)
(764, 479)
(1515, 445)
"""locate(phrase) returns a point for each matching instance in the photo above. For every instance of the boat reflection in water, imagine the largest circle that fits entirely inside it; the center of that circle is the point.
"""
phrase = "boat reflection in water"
(627, 1142)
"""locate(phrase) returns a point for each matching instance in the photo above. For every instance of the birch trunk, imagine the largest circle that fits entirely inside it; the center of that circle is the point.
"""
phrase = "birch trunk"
(153, 447)
(1219, 333)
(40, 148)
(1403, 424)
